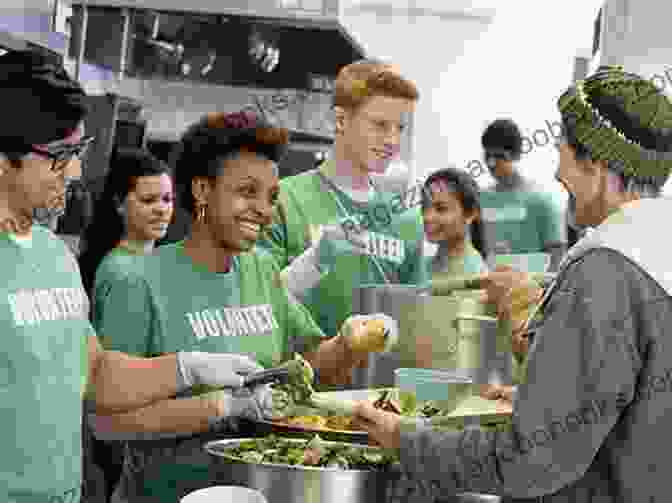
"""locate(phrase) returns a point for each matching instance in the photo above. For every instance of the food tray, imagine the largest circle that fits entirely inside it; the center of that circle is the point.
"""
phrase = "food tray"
(472, 409)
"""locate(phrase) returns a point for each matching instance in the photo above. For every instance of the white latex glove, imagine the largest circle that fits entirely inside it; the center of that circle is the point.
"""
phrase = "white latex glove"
(213, 369)
(365, 333)
(243, 403)
(332, 240)
(328, 242)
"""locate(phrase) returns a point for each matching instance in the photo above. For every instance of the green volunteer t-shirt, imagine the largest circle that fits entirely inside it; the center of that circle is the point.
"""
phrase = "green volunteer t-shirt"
(43, 369)
(469, 262)
(114, 268)
(164, 303)
(521, 221)
(396, 245)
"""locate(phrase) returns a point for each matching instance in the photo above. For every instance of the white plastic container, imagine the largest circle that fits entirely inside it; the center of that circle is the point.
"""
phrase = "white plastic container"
(225, 494)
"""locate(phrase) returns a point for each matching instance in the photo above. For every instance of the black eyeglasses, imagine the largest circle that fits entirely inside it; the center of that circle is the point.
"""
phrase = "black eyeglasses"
(61, 155)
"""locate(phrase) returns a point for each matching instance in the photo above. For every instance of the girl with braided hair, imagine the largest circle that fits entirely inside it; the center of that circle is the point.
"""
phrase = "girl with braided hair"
(590, 421)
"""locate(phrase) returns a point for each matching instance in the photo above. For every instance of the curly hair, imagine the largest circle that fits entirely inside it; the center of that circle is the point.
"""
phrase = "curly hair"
(219, 136)
(357, 82)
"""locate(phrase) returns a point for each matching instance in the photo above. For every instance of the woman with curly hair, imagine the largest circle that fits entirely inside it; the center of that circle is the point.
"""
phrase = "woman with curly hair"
(214, 291)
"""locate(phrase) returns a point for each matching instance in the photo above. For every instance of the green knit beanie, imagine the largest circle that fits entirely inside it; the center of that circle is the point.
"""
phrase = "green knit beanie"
(638, 112)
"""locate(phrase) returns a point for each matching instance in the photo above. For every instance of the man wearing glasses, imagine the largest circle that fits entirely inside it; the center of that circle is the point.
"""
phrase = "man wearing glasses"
(66, 156)
(50, 356)
(519, 217)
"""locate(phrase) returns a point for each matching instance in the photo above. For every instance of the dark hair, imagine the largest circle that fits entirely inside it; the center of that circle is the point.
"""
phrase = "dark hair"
(217, 136)
(43, 103)
(469, 197)
(107, 226)
(78, 209)
(503, 134)
(630, 125)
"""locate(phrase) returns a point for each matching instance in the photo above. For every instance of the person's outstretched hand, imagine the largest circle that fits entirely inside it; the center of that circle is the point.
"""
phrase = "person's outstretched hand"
(513, 292)
(383, 427)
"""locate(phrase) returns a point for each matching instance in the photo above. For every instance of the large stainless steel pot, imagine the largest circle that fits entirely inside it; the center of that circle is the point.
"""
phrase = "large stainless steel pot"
(301, 484)
(462, 337)
(395, 301)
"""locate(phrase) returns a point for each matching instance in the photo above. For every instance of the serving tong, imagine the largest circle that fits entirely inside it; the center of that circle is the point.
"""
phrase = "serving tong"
(277, 375)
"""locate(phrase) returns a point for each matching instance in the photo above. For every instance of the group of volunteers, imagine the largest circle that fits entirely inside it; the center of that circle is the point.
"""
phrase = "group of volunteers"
(268, 269)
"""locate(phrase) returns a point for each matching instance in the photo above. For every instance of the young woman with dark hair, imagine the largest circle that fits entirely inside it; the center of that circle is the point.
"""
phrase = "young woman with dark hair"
(131, 215)
(451, 213)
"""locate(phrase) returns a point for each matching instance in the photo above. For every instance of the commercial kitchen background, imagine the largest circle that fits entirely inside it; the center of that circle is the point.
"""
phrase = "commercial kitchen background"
(473, 61)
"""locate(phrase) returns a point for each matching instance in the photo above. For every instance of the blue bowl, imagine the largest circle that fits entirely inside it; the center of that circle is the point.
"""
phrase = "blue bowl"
(443, 386)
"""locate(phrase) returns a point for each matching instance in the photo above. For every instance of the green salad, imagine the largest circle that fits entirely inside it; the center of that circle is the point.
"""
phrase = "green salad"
(314, 452)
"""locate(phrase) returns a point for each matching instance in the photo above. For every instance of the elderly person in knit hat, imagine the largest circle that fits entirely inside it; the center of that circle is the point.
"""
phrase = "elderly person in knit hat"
(590, 422)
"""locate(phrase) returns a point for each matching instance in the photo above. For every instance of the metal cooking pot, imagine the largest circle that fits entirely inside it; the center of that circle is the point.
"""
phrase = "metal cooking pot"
(452, 324)
(395, 301)
(301, 484)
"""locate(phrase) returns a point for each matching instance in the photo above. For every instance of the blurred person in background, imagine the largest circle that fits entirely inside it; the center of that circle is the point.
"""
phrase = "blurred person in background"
(590, 421)
(518, 215)
(132, 214)
(451, 215)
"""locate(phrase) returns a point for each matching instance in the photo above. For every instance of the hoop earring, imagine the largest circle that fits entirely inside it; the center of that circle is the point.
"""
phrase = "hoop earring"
(200, 215)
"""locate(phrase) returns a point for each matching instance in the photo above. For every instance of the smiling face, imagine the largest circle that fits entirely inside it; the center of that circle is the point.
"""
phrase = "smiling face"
(149, 208)
(371, 133)
(240, 200)
(444, 217)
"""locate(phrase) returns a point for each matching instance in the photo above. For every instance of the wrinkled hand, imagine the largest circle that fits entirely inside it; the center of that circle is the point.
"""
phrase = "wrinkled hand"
(497, 392)
(513, 292)
(213, 369)
(254, 405)
(383, 427)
